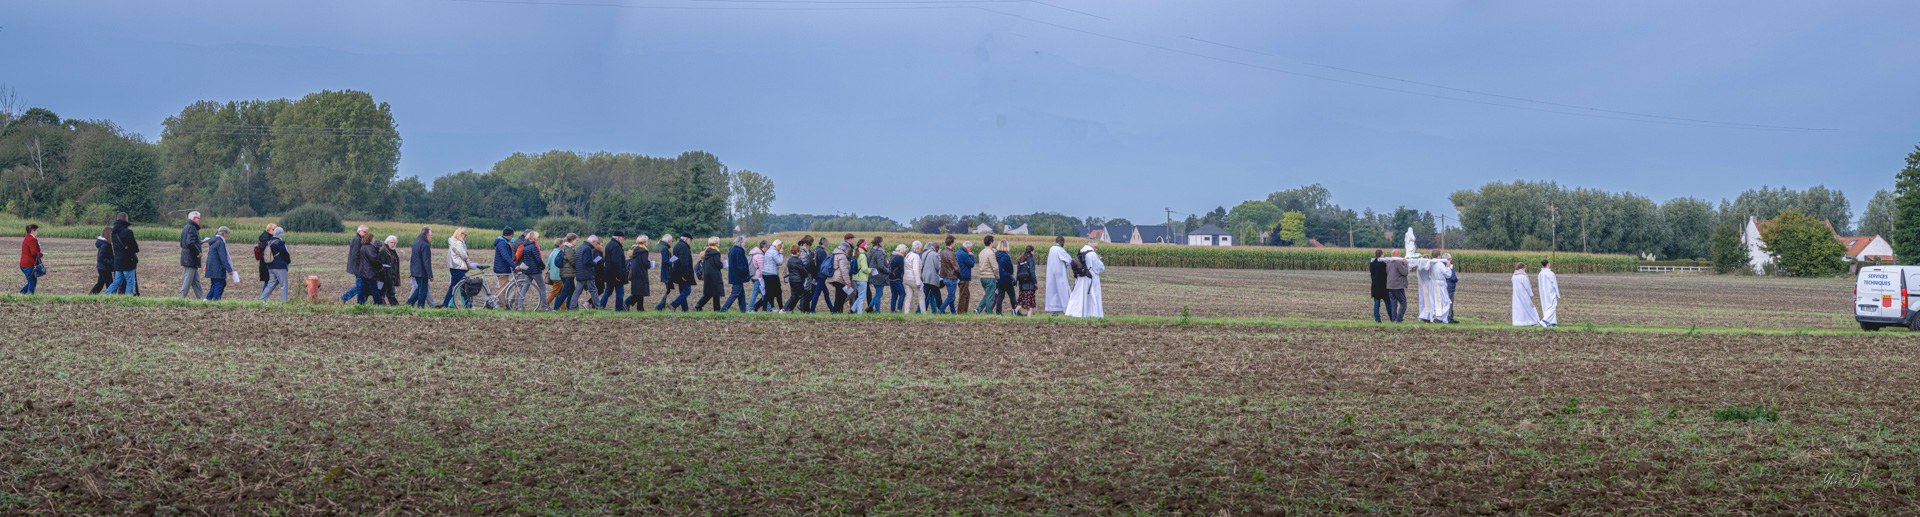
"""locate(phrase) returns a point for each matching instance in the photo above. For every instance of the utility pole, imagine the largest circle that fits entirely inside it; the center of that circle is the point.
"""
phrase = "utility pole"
(1554, 213)
(1169, 235)
(1443, 231)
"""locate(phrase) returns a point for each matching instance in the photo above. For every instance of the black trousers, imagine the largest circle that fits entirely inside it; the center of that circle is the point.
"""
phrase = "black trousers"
(101, 282)
(771, 298)
(799, 291)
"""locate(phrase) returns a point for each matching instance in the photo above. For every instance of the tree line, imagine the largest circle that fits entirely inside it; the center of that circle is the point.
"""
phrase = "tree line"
(341, 149)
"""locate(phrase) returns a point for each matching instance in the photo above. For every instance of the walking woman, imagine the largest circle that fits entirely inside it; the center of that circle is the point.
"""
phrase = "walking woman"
(910, 271)
(366, 270)
(1023, 272)
(638, 265)
(796, 277)
(30, 259)
(666, 271)
(561, 264)
(457, 263)
(390, 270)
(770, 263)
(103, 261)
(260, 251)
(587, 265)
(862, 272)
(712, 274)
(895, 264)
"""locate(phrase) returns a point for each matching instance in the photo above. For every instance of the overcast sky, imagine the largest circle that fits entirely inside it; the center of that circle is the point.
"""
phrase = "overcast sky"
(1117, 108)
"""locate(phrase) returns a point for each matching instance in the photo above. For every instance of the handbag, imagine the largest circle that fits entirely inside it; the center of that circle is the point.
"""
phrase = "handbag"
(40, 270)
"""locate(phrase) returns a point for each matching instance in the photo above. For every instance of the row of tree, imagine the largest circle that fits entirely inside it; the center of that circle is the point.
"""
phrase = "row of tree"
(342, 149)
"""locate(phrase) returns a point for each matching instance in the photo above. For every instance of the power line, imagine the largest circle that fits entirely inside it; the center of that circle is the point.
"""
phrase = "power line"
(1504, 96)
(910, 2)
(891, 7)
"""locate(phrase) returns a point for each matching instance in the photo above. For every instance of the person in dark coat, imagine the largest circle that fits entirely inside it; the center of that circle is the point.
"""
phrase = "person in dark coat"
(503, 257)
(615, 273)
(366, 270)
(897, 266)
(638, 267)
(587, 264)
(711, 276)
(218, 265)
(666, 271)
(190, 257)
(126, 258)
(818, 289)
(102, 260)
(390, 270)
(277, 260)
(1397, 271)
(739, 274)
(354, 266)
(798, 276)
(1453, 280)
(1003, 261)
(1377, 271)
(261, 257)
(420, 266)
(682, 271)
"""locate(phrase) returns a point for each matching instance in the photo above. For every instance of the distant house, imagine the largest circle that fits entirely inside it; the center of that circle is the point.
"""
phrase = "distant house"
(1209, 235)
(1151, 234)
(1869, 248)
(1099, 234)
(982, 229)
(1022, 230)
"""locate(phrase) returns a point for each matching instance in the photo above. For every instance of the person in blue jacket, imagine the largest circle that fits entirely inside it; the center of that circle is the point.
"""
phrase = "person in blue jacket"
(503, 257)
(738, 275)
(217, 264)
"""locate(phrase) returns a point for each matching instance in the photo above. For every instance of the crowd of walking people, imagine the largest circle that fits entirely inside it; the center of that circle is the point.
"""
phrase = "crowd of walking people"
(1437, 282)
(853, 275)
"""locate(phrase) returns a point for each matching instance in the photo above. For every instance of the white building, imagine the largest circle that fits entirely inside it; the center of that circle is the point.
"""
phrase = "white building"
(1872, 248)
(1209, 235)
(1869, 248)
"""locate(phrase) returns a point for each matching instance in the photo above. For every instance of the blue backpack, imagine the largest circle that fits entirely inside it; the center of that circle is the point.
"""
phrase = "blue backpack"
(826, 268)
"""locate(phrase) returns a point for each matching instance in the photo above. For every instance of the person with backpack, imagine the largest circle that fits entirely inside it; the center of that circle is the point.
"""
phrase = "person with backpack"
(560, 273)
(126, 258)
(103, 260)
(822, 264)
(190, 249)
(1087, 267)
(503, 259)
(878, 260)
(1005, 293)
(277, 261)
(839, 278)
(260, 251)
(32, 263)
(613, 273)
(739, 273)
(420, 267)
(1024, 277)
(219, 265)
(354, 267)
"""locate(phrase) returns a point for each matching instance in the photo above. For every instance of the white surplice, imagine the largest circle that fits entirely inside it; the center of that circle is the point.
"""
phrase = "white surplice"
(1443, 302)
(1059, 269)
(1085, 302)
(1523, 313)
(1423, 279)
(1549, 297)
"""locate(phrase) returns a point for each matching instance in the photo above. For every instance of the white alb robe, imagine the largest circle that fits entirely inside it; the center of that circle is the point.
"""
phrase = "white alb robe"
(1059, 269)
(1523, 312)
(1423, 280)
(1443, 302)
(1549, 297)
(1085, 302)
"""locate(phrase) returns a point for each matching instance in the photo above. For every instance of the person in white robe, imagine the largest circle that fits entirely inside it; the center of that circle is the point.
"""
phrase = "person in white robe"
(1085, 302)
(1428, 285)
(1549, 295)
(1442, 301)
(1059, 269)
(1524, 314)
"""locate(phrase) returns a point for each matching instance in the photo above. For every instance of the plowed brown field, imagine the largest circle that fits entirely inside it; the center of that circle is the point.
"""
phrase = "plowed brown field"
(119, 407)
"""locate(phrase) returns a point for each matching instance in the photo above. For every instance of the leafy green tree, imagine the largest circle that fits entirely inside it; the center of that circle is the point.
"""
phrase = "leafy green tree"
(334, 147)
(1687, 226)
(1878, 220)
(122, 172)
(410, 200)
(752, 198)
(1304, 199)
(1258, 214)
(1293, 228)
(1804, 246)
(699, 207)
(1730, 255)
(1905, 235)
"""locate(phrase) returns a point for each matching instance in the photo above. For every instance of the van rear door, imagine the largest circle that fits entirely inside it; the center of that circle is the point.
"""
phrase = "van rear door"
(1879, 293)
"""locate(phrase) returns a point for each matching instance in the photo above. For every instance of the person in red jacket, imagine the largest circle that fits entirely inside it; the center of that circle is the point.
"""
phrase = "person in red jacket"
(30, 259)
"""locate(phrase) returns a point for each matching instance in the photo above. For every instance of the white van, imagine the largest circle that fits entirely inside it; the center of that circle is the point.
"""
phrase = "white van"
(1880, 297)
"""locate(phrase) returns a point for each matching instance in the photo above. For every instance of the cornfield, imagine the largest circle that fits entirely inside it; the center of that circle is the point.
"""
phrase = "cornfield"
(1327, 259)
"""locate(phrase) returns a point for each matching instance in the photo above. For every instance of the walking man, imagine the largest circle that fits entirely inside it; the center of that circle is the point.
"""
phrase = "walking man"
(353, 264)
(420, 267)
(126, 258)
(615, 273)
(190, 255)
(1396, 289)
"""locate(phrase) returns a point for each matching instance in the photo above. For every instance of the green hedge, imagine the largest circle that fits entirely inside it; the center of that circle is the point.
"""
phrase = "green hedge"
(1336, 259)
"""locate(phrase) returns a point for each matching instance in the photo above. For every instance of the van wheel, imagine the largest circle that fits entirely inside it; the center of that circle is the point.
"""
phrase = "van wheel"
(1869, 327)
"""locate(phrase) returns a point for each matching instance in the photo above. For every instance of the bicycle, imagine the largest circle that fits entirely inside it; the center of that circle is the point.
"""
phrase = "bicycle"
(514, 296)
